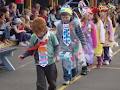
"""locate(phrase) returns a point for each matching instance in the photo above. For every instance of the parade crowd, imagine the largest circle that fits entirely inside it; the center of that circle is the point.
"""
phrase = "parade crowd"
(78, 37)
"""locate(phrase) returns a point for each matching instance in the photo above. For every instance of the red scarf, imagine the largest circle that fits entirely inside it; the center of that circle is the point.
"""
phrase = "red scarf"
(37, 45)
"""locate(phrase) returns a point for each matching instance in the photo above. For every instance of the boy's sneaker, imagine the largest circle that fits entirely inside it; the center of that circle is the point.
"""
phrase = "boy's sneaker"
(106, 62)
(23, 44)
(84, 73)
(66, 83)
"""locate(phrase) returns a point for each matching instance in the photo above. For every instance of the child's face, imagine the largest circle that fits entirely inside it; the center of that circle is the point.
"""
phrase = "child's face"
(14, 8)
(36, 13)
(39, 26)
(41, 34)
(65, 18)
(45, 13)
(19, 24)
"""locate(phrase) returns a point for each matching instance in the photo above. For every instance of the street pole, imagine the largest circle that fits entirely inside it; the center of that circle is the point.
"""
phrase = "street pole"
(93, 3)
(29, 4)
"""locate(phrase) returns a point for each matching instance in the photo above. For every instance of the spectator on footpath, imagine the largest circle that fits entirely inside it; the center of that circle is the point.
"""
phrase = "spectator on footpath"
(52, 18)
(44, 47)
(44, 13)
(57, 12)
(20, 32)
(36, 7)
(2, 17)
(8, 26)
(14, 13)
(27, 14)
(4, 24)
(35, 14)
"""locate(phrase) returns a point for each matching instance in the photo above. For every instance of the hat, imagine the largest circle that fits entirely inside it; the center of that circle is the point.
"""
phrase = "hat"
(18, 21)
(103, 8)
(66, 10)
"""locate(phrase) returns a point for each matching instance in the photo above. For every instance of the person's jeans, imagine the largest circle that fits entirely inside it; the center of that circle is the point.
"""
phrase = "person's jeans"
(21, 37)
(68, 76)
(106, 54)
(50, 73)
(7, 33)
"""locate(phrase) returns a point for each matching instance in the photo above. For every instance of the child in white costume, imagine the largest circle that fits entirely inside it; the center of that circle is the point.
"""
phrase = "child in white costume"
(109, 33)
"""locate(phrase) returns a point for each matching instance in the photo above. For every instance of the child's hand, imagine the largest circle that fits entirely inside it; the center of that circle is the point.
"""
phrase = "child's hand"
(21, 57)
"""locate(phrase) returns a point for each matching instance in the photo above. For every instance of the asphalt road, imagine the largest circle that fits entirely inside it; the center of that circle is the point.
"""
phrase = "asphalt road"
(106, 78)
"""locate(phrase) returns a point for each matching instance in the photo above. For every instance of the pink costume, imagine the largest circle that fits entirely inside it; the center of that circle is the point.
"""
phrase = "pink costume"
(90, 32)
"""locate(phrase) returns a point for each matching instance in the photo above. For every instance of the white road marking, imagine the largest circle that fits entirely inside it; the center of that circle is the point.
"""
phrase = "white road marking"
(22, 66)
(116, 52)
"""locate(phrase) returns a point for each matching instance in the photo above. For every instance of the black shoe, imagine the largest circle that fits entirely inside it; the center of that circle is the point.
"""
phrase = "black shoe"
(1, 64)
(84, 70)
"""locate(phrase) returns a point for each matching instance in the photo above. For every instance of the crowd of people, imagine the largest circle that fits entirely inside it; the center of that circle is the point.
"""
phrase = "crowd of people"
(16, 26)
(74, 36)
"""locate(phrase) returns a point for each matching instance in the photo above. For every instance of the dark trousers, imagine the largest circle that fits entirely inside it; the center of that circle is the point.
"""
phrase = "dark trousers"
(106, 54)
(50, 73)
(21, 37)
